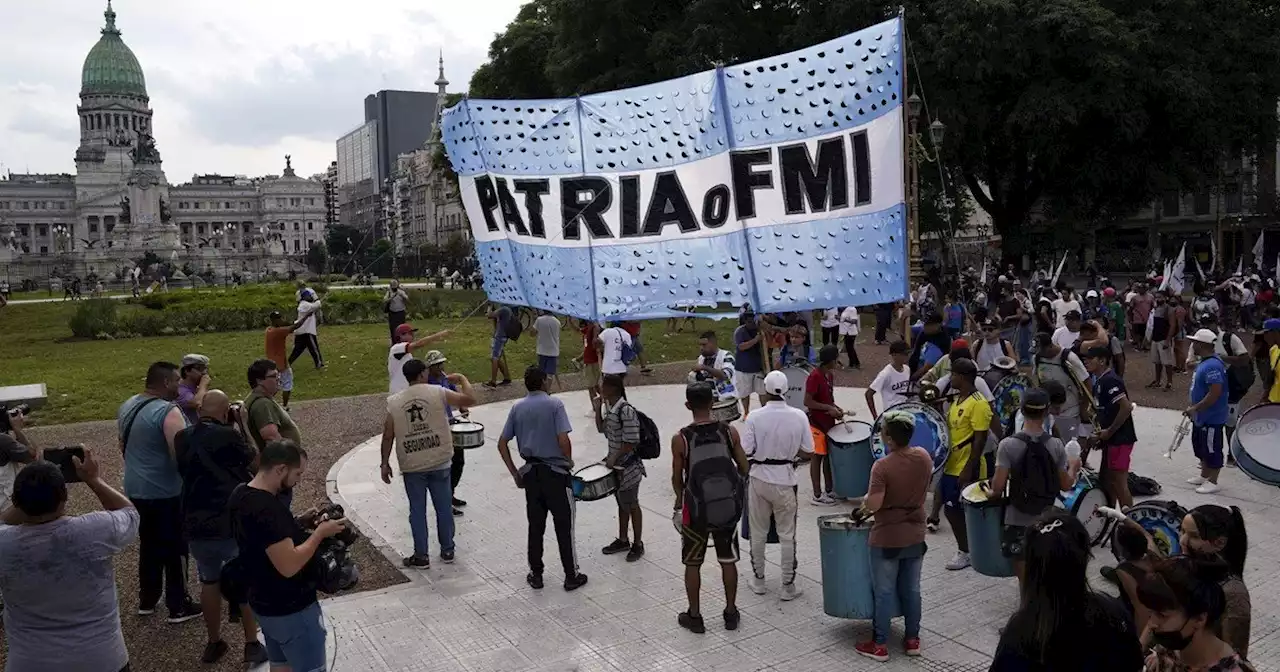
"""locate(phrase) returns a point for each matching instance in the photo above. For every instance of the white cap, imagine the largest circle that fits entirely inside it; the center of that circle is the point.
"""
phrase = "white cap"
(1091, 294)
(1205, 336)
(776, 384)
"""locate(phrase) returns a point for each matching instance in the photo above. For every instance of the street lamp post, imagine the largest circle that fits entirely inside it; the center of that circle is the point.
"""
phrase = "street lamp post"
(918, 153)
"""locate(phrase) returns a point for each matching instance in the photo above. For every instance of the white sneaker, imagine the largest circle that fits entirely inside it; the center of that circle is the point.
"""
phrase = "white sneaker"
(791, 591)
(831, 495)
(757, 584)
(961, 561)
(1195, 480)
(821, 500)
(1208, 488)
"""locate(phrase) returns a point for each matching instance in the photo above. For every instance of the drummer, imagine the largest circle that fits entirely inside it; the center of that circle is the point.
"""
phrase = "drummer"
(819, 399)
(713, 365)
(968, 422)
(436, 376)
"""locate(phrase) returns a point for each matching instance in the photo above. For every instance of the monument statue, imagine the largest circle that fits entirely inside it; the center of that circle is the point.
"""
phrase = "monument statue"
(146, 151)
(288, 162)
(165, 215)
(125, 214)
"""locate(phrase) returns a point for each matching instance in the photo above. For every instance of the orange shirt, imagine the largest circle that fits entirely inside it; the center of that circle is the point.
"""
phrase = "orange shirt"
(277, 339)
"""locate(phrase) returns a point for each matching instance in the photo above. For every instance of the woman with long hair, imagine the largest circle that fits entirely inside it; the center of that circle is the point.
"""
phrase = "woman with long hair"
(1211, 530)
(1185, 597)
(1060, 612)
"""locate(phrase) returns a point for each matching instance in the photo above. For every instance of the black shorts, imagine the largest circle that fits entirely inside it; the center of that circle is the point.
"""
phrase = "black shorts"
(1011, 541)
(693, 545)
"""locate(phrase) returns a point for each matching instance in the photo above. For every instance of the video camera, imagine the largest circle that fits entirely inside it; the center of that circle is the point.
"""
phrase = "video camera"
(7, 412)
(332, 568)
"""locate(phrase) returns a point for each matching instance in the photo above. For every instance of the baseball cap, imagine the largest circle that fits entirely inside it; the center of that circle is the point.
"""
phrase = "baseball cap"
(959, 343)
(1205, 336)
(1091, 294)
(434, 357)
(1072, 315)
(404, 329)
(1098, 351)
(991, 322)
(776, 384)
(1035, 399)
(1272, 324)
(195, 360)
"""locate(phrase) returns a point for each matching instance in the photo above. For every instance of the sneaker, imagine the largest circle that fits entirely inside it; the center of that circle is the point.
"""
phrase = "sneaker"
(457, 513)
(821, 500)
(756, 583)
(636, 552)
(1208, 488)
(831, 495)
(146, 611)
(1195, 480)
(255, 653)
(693, 624)
(961, 561)
(574, 583)
(534, 580)
(1109, 573)
(446, 557)
(490, 384)
(911, 646)
(213, 652)
(617, 546)
(877, 652)
(505, 382)
(459, 503)
(932, 524)
(417, 562)
(188, 611)
(732, 619)
(791, 591)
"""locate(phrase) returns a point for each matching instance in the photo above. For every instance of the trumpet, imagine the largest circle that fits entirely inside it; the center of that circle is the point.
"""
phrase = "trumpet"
(1179, 435)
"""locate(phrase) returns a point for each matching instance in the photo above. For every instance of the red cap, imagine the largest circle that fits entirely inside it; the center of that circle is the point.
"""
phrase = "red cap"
(404, 329)
(959, 343)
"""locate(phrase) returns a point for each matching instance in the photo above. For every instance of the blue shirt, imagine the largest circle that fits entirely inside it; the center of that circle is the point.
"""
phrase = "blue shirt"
(748, 361)
(536, 422)
(955, 316)
(149, 471)
(790, 354)
(1211, 371)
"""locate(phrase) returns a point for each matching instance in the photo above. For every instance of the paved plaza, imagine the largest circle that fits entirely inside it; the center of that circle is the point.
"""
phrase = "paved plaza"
(479, 615)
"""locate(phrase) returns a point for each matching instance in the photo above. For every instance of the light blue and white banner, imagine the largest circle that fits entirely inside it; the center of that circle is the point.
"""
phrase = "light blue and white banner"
(777, 183)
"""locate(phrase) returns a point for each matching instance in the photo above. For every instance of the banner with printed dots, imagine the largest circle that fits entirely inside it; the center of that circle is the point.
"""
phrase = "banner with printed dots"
(777, 183)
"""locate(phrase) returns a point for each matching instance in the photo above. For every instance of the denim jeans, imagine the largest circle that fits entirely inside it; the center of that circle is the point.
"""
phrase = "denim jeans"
(900, 575)
(417, 485)
(296, 640)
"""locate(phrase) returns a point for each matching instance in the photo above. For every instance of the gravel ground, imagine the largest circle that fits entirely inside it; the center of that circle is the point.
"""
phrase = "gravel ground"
(332, 427)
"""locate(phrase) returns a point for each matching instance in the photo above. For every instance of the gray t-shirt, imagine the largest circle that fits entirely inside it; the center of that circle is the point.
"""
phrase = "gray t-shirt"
(1009, 454)
(75, 628)
(397, 300)
(548, 336)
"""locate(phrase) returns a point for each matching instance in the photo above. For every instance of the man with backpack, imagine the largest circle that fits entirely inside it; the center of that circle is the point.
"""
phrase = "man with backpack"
(621, 426)
(772, 439)
(506, 326)
(616, 350)
(1033, 464)
(1208, 412)
(708, 474)
(1240, 374)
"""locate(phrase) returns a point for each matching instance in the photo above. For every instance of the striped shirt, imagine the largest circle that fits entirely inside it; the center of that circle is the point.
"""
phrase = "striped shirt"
(622, 426)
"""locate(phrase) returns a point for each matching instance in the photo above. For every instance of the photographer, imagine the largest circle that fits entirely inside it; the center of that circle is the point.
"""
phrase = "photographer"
(57, 573)
(274, 554)
(16, 450)
(214, 459)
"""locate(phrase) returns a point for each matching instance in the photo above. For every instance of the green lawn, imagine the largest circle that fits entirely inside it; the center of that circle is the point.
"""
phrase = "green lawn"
(87, 379)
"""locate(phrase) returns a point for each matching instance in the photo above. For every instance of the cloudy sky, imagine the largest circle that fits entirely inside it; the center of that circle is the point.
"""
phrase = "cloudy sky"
(234, 84)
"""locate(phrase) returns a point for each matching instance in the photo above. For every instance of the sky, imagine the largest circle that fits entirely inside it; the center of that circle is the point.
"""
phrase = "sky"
(235, 85)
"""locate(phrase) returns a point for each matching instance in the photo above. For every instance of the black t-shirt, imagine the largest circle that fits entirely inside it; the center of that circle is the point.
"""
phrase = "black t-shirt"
(1108, 390)
(213, 459)
(1104, 640)
(261, 521)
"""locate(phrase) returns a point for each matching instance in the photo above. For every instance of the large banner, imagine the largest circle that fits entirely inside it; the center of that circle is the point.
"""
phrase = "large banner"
(777, 183)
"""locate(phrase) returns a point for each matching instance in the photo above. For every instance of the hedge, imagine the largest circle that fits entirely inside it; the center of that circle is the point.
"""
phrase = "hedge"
(249, 308)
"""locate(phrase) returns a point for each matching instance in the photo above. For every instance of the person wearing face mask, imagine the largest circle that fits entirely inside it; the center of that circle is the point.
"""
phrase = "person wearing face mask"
(1062, 625)
(1185, 597)
(274, 553)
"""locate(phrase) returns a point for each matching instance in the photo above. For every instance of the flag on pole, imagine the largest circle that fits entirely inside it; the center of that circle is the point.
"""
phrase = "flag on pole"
(1213, 255)
(1240, 266)
(1258, 248)
(1058, 273)
(1165, 277)
(983, 280)
(1199, 269)
(1176, 279)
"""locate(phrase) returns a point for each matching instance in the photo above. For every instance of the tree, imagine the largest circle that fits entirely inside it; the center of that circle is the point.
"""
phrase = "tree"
(1079, 108)
(455, 252)
(317, 257)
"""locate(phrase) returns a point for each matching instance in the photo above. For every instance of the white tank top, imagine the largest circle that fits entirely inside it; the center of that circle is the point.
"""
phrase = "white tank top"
(396, 357)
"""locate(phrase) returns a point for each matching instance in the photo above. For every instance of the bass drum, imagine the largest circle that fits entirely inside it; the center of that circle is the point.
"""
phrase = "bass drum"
(1008, 397)
(1255, 445)
(931, 432)
(797, 374)
(1162, 520)
(1082, 501)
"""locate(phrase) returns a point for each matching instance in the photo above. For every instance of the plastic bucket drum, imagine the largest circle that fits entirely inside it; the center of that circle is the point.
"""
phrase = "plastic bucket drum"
(984, 519)
(849, 449)
(1256, 443)
(846, 569)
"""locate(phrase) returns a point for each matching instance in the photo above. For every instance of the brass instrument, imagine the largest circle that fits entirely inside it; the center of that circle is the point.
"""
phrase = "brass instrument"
(1179, 435)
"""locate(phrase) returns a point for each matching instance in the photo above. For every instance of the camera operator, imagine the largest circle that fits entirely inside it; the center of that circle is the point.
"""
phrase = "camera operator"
(274, 554)
(16, 450)
(57, 573)
(214, 459)
(263, 418)
(147, 424)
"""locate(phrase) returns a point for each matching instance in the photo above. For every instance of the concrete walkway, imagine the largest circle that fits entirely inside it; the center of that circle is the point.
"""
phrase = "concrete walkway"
(478, 614)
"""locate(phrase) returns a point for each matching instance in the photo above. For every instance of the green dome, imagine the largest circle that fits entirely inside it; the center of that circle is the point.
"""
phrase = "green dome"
(111, 68)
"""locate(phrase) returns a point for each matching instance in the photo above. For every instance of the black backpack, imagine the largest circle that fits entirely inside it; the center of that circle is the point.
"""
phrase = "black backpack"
(1034, 486)
(713, 487)
(1239, 377)
(514, 327)
(650, 446)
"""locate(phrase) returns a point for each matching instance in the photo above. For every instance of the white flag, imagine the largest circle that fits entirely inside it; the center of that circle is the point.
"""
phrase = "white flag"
(1058, 273)
(1177, 281)
(1199, 268)
(1258, 248)
(1164, 277)
(1240, 266)
(1213, 254)
(983, 280)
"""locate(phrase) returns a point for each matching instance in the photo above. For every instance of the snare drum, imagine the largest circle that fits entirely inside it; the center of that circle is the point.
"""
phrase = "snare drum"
(931, 432)
(797, 374)
(1082, 501)
(726, 410)
(1255, 445)
(467, 435)
(594, 481)
(1162, 520)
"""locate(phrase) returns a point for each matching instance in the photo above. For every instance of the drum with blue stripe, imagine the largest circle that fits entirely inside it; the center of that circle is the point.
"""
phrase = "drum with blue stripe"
(931, 432)
(1082, 501)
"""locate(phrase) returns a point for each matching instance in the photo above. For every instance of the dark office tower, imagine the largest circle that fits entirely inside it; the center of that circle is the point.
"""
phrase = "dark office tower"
(404, 124)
